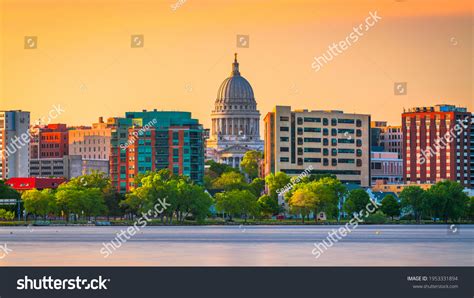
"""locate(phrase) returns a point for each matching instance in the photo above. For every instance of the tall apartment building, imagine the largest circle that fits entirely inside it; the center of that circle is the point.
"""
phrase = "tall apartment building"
(331, 142)
(153, 140)
(437, 145)
(14, 144)
(92, 143)
(49, 141)
(472, 150)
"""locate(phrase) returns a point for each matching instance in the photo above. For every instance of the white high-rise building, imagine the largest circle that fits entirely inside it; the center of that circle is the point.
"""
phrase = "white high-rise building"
(14, 144)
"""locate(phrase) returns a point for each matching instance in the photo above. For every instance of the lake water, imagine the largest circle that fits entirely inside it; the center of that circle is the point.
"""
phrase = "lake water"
(374, 245)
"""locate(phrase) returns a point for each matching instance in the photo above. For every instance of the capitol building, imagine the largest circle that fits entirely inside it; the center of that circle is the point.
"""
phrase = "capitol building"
(235, 121)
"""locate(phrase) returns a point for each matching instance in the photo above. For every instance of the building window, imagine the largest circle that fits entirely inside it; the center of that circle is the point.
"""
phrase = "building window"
(312, 140)
(325, 121)
(284, 139)
(300, 151)
(284, 159)
(284, 149)
(312, 129)
(284, 128)
(309, 159)
(376, 165)
(311, 119)
(284, 118)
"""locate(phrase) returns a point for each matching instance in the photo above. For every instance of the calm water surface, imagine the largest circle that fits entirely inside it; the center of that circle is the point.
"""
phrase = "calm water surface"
(376, 245)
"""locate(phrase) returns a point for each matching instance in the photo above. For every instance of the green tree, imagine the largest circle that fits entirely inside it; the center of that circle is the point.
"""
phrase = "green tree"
(250, 163)
(328, 190)
(151, 188)
(390, 206)
(237, 202)
(7, 215)
(227, 202)
(356, 201)
(470, 210)
(268, 206)
(112, 201)
(183, 196)
(276, 183)
(94, 180)
(217, 169)
(257, 186)
(412, 200)
(302, 202)
(451, 200)
(39, 202)
(80, 199)
(6, 192)
(192, 199)
(230, 181)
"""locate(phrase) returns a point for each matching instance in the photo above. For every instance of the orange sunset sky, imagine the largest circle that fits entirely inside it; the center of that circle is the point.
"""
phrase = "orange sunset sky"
(84, 61)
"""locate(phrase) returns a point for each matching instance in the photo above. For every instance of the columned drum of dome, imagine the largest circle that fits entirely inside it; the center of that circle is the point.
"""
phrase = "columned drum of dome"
(235, 120)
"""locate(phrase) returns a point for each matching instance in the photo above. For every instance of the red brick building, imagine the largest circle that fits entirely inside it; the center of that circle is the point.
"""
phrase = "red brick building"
(436, 144)
(50, 141)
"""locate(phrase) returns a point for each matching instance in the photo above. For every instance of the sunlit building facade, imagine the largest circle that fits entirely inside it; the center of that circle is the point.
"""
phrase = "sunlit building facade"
(331, 142)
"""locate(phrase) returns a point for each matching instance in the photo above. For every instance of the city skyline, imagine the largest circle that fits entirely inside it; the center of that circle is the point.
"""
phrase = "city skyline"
(94, 73)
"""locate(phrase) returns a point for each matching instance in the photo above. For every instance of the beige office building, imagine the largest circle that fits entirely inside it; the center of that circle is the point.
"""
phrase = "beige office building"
(331, 142)
(93, 145)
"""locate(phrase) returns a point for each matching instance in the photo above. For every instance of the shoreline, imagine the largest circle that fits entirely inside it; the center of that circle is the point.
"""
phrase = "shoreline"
(125, 224)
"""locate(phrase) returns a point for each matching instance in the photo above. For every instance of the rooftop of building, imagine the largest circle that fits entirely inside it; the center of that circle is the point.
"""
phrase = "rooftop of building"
(27, 183)
(436, 108)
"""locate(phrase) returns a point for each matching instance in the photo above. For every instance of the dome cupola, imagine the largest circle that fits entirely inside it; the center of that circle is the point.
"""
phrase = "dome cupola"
(235, 89)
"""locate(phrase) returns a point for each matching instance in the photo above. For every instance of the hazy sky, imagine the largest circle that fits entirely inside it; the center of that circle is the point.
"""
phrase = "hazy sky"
(84, 60)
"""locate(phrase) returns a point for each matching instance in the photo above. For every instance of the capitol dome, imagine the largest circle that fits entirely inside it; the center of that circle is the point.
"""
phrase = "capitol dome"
(235, 118)
(235, 90)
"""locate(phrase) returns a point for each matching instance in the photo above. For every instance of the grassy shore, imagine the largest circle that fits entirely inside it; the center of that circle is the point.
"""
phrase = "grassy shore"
(212, 222)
